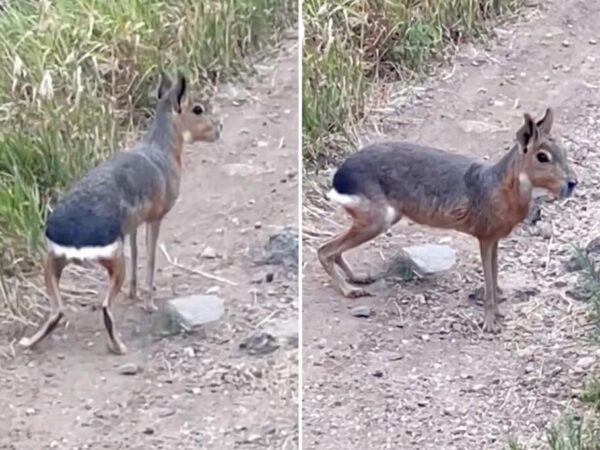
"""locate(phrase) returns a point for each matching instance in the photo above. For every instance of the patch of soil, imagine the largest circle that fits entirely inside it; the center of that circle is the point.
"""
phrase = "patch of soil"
(417, 372)
(197, 391)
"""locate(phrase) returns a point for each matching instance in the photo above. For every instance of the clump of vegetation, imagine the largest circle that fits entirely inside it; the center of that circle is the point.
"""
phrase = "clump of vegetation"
(350, 45)
(590, 279)
(591, 394)
(77, 78)
(574, 434)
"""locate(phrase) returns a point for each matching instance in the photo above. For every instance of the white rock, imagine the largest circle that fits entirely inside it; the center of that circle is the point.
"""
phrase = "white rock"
(429, 259)
(196, 310)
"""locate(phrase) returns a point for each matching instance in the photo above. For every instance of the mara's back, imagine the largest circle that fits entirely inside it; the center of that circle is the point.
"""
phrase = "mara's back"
(407, 172)
(425, 184)
(111, 199)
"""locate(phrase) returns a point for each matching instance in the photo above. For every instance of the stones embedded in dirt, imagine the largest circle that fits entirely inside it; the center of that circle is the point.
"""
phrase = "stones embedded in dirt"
(281, 249)
(209, 253)
(544, 229)
(263, 277)
(475, 126)
(592, 251)
(259, 343)
(128, 369)
(430, 259)
(273, 336)
(585, 363)
(243, 170)
(361, 311)
(188, 314)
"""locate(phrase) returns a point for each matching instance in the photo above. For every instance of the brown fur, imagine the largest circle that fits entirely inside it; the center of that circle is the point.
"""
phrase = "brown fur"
(178, 119)
(382, 183)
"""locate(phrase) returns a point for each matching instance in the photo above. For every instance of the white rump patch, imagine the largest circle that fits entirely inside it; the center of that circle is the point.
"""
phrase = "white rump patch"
(390, 215)
(83, 253)
(343, 199)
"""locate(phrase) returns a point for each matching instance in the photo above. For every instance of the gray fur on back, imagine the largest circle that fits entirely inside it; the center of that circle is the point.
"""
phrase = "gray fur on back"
(407, 171)
(98, 208)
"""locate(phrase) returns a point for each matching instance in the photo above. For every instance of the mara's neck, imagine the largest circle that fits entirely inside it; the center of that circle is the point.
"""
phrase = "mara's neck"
(164, 134)
(511, 180)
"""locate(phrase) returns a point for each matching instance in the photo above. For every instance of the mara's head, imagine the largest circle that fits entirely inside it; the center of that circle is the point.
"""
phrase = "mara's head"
(191, 118)
(544, 160)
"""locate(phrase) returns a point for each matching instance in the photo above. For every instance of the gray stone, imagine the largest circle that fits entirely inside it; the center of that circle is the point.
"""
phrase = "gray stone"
(128, 369)
(585, 363)
(284, 331)
(188, 313)
(242, 170)
(475, 126)
(429, 259)
(259, 343)
(361, 311)
(281, 249)
(209, 253)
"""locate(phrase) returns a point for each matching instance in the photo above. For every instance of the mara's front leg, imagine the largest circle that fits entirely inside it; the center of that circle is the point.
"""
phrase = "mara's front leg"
(489, 306)
(152, 232)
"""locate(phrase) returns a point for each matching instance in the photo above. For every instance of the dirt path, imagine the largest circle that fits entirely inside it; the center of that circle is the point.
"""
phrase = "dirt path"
(418, 374)
(193, 392)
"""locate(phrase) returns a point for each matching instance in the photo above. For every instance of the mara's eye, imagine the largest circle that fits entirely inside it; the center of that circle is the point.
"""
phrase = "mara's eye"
(543, 157)
(198, 109)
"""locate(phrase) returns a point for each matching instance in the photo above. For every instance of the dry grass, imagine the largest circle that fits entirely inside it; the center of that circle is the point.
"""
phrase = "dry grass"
(350, 46)
(77, 80)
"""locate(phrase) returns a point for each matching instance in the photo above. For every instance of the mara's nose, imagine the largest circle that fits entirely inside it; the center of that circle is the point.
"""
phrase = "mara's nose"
(571, 185)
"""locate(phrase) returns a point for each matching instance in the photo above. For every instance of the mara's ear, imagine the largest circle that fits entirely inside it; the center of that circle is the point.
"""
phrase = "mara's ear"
(164, 85)
(528, 133)
(545, 124)
(179, 92)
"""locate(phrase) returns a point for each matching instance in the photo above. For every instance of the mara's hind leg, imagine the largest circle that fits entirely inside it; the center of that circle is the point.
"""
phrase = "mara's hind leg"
(115, 267)
(347, 269)
(53, 267)
(366, 226)
(350, 274)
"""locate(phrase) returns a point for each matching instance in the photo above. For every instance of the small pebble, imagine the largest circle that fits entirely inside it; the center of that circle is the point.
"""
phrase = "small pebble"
(209, 253)
(361, 311)
(585, 363)
(128, 369)
(213, 290)
(253, 438)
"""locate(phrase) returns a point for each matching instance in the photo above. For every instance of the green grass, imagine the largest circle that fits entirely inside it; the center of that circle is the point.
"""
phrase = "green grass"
(77, 78)
(591, 394)
(351, 45)
(574, 434)
(590, 279)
